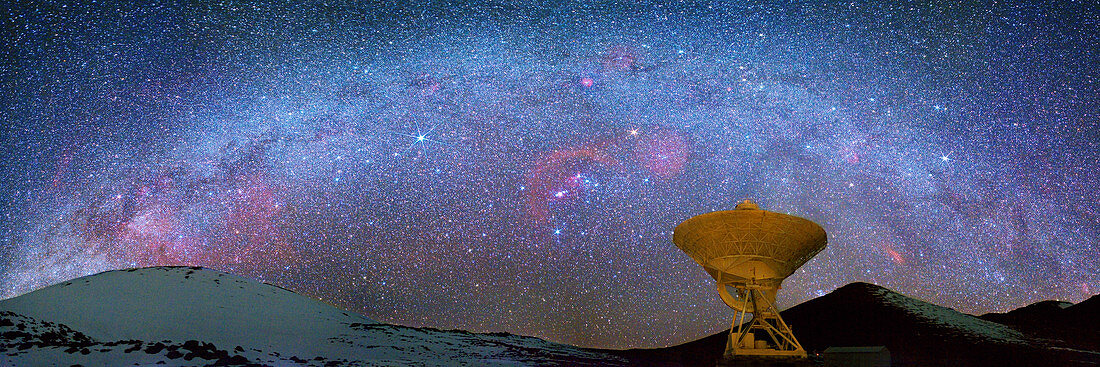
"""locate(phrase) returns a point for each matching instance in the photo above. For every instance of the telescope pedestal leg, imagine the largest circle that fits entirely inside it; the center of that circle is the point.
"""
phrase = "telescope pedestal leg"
(778, 341)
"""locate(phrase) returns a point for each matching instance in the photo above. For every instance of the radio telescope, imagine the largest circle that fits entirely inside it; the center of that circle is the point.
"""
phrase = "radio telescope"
(752, 251)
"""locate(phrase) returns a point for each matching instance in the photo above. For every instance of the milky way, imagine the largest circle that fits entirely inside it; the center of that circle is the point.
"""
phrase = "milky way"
(519, 167)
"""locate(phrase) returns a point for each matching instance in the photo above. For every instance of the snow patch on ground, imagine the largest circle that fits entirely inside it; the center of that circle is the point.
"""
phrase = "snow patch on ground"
(181, 316)
(954, 321)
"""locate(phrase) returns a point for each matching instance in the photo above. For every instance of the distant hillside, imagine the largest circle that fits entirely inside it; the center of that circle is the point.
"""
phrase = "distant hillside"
(1074, 325)
(917, 333)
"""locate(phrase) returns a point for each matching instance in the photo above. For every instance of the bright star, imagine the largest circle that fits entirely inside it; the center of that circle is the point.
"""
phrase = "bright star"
(419, 136)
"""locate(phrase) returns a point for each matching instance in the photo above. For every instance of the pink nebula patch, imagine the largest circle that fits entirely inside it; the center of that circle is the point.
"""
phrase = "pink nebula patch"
(553, 177)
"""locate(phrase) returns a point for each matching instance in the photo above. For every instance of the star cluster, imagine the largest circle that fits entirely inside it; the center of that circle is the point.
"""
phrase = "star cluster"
(519, 167)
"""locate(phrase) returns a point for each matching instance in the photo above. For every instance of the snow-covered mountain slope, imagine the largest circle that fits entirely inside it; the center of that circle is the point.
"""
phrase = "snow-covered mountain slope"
(945, 320)
(179, 303)
(196, 316)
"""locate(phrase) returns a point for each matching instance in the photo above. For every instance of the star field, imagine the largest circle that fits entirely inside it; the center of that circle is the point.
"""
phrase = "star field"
(519, 167)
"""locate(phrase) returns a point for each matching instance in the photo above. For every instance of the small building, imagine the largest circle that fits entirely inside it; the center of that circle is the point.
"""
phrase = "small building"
(876, 356)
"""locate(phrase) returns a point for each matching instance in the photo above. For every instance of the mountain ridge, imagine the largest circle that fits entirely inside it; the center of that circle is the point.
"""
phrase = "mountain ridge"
(146, 316)
(916, 332)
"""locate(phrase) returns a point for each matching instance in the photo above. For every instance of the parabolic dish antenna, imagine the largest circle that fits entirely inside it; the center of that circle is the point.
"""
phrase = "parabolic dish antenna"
(752, 251)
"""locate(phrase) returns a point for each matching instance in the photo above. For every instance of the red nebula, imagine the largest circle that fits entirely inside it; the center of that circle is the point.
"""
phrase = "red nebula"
(253, 212)
(663, 154)
(554, 177)
(253, 224)
(895, 256)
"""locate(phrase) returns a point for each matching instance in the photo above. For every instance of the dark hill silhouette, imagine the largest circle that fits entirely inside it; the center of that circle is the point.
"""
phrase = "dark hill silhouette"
(1037, 310)
(1072, 325)
(917, 333)
(1087, 313)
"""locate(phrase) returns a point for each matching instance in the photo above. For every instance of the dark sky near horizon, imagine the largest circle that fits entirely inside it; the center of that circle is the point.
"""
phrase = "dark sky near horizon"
(519, 166)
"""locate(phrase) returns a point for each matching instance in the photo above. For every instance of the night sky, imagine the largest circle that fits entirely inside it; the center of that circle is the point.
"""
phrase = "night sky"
(519, 167)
